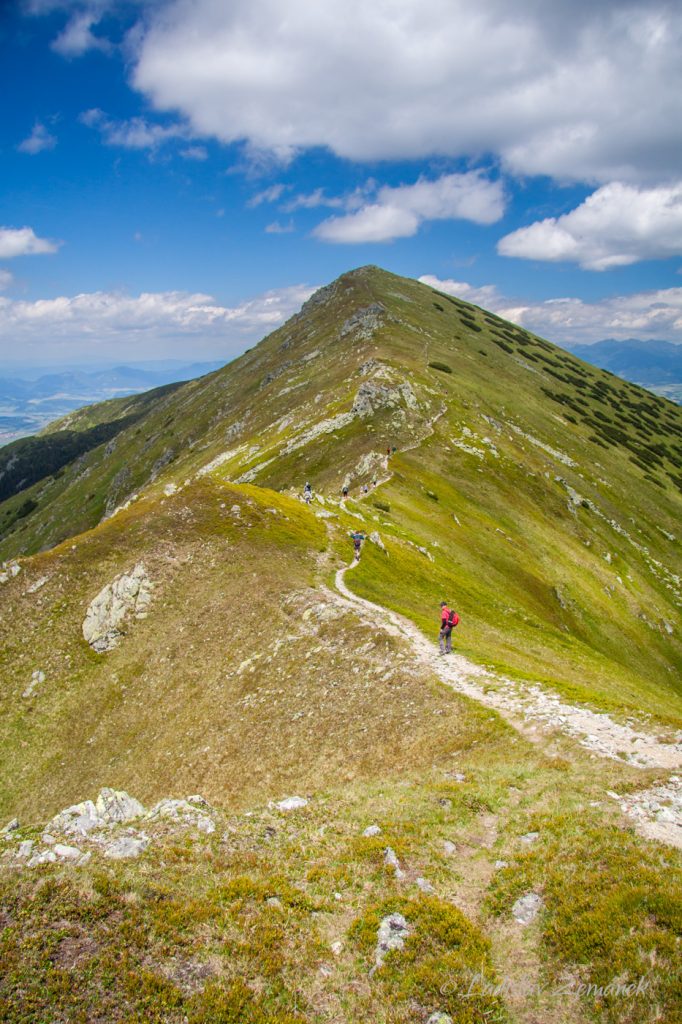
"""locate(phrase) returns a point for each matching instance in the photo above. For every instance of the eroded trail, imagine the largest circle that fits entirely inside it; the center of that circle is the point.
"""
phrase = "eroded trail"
(534, 711)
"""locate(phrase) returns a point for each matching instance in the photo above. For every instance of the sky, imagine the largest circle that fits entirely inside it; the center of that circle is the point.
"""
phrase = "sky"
(178, 176)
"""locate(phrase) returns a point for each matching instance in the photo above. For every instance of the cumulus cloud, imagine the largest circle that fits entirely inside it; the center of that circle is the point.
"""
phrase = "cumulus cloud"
(112, 325)
(580, 92)
(615, 226)
(38, 140)
(136, 133)
(398, 212)
(23, 242)
(653, 314)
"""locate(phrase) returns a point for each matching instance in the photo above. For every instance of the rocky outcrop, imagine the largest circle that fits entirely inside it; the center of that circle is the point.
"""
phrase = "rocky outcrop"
(128, 596)
(364, 322)
(372, 396)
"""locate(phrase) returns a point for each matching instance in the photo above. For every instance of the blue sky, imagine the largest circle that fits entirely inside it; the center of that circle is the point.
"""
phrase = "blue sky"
(177, 176)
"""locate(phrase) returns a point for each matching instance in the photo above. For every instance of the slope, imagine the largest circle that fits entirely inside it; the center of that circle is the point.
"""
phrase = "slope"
(544, 492)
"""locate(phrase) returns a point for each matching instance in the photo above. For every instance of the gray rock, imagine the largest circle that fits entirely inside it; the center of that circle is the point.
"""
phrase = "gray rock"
(185, 813)
(391, 935)
(67, 852)
(529, 838)
(44, 857)
(79, 819)
(372, 830)
(273, 901)
(126, 596)
(116, 805)
(391, 861)
(527, 908)
(47, 839)
(11, 826)
(375, 538)
(25, 849)
(499, 864)
(424, 885)
(37, 677)
(449, 847)
(439, 1018)
(126, 848)
(292, 803)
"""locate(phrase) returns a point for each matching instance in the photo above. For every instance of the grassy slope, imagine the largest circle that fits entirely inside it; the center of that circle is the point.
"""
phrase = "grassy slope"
(583, 595)
(346, 717)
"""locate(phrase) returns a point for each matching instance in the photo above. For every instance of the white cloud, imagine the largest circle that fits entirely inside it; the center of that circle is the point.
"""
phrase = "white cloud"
(6, 279)
(194, 153)
(655, 314)
(268, 195)
(487, 295)
(398, 212)
(107, 324)
(77, 37)
(38, 140)
(580, 92)
(615, 226)
(311, 200)
(23, 242)
(136, 133)
(277, 228)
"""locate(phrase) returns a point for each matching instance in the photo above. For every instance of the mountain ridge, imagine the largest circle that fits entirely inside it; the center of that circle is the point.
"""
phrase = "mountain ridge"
(318, 828)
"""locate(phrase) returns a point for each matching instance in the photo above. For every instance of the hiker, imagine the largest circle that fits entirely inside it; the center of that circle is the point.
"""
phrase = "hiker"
(345, 491)
(307, 493)
(357, 543)
(374, 481)
(394, 450)
(448, 620)
(388, 452)
(365, 489)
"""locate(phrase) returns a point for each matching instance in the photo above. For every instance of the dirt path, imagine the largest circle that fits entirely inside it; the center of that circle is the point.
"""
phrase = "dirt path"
(534, 712)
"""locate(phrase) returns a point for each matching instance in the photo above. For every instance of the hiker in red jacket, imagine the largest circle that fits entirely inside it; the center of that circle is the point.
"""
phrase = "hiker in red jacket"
(448, 620)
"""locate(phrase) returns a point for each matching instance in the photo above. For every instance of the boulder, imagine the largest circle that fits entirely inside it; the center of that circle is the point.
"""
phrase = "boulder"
(292, 803)
(391, 935)
(79, 819)
(372, 830)
(391, 861)
(116, 805)
(527, 908)
(126, 596)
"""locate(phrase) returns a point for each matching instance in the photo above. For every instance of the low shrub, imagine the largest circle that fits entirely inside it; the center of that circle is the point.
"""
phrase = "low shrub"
(443, 367)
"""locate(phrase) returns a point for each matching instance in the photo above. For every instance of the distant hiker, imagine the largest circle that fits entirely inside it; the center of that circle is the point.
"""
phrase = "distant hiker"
(388, 451)
(448, 620)
(307, 493)
(374, 481)
(357, 538)
(345, 491)
(394, 450)
(365, 489)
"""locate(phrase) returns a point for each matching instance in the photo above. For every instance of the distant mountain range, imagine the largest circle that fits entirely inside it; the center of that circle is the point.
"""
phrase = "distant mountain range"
(28, 403)
(656, 365)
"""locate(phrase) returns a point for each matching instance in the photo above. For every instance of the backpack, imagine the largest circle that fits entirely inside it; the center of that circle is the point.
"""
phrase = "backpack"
(453, 619)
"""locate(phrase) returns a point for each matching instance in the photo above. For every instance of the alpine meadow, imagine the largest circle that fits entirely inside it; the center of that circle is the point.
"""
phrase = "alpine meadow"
(239, 780)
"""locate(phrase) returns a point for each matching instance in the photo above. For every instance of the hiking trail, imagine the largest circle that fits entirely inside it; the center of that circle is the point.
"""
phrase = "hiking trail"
(534, 711)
